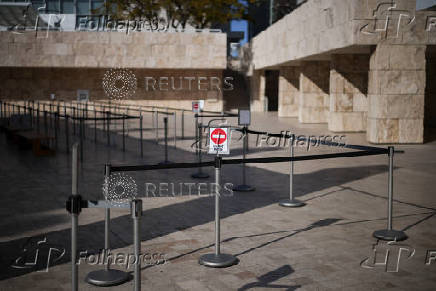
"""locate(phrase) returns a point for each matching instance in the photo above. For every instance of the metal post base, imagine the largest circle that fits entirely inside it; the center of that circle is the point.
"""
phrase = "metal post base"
(200, 175)
(217, 261)
(390, 235)
(291, 203)
(107, 277)
(244, 188)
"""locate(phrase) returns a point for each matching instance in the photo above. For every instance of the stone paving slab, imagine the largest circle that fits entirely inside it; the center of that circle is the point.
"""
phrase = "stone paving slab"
(317, 247)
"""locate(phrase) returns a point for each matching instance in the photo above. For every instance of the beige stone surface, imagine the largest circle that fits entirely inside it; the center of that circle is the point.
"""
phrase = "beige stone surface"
(322, 26)
(348, 89)
(314, 98)
(411, 130)
(397, 94)
(114, 49)
(289, 85)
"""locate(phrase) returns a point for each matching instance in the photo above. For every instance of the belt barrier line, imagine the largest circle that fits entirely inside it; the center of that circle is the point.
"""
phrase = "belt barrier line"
(248, 161)
(335, 144)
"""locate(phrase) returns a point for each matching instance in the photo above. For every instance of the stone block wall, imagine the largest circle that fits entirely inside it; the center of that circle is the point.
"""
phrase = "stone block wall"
(289, 90)
(314, 95)
(396, 94)
(39, 83)
(257, 91)
(348, 93)
(85, 49)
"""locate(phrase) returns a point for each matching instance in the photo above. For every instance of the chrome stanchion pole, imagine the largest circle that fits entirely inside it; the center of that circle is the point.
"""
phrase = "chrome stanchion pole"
(124, 133)
(183, 124)
(175, 130)
(199, 133)
(244, 187)
(166, 141)
(156, 122)
(141, 134)
(67, 137)
(390, 234)
(74, 221)
(107, 276)
(136, 210)
(291, 202)
(217, 259)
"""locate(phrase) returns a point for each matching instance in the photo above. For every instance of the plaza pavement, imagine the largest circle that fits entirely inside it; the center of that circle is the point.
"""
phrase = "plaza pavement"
(322, 246)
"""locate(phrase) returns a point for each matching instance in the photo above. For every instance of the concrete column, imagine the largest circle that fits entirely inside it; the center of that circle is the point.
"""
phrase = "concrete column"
(313, 106)
(396, 90)
(289, 90)
(348, 93)
(258, 91)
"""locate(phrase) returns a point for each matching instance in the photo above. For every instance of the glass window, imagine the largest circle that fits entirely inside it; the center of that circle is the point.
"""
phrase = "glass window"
(67, 6)
(96, 4)
(83, 7)
(53, 6)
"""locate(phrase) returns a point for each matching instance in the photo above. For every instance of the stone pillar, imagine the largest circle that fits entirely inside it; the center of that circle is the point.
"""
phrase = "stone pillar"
(396, 92)
(348, 90)
(289, 90)
(313, 103)
(257, 95)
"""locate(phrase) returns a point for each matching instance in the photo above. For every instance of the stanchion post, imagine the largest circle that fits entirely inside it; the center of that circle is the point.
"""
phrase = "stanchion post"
(95, 125)
(141, 134)
(175, 129)
(291, 202)
(183, 124)
(136, 210)
(390, 234)
(74, 120)
(81, 138)
(199, 134)
(107, 127)
(217, 259)
(124, 133)
(74, 221)
(107, 276)
(156, 113)
(67, 136)
(165, 119)
(244, 187)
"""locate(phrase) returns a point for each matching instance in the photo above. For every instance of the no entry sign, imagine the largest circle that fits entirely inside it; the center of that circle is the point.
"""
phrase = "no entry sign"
(197, 106)
(219, 141)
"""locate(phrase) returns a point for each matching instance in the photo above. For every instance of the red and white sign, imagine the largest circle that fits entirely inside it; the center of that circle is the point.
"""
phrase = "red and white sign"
(219, 141)
(197, 106)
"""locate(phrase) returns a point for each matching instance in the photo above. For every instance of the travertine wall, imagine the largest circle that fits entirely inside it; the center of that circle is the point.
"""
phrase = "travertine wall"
(289, 90)
(84, 49)
(257, 94)
(39, 83)
(396, 92)
(313, 103)
(322, 26)
(348, 90)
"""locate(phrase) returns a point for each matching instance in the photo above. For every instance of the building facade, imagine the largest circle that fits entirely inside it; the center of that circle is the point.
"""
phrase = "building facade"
(358, 66)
